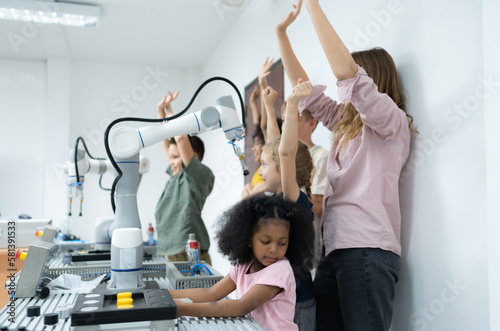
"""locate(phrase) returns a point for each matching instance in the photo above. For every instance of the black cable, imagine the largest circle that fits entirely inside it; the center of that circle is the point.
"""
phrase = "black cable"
(76, 156)
(110, 156)
(137, 119)
(100, 184)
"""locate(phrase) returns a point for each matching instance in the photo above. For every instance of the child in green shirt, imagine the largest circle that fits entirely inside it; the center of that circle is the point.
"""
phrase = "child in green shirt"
(178, 212)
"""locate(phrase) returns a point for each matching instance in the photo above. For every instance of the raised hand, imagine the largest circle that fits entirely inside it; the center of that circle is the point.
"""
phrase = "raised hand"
(269, 95)
(265, 71)
(290, 18)
(340, 59)
(164, 107)
(255, 93)
(300, 91)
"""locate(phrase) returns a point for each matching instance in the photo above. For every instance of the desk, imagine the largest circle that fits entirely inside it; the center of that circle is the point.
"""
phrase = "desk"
(51, 303)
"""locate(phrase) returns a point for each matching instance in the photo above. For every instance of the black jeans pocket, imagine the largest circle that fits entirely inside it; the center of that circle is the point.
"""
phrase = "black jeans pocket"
(393, 262)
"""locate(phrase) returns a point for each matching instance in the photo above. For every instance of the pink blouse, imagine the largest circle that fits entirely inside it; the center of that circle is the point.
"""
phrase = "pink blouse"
(361, 201)
(277, 313)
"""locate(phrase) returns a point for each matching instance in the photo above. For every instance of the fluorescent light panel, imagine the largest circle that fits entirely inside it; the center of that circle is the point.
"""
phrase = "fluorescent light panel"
(50, 12)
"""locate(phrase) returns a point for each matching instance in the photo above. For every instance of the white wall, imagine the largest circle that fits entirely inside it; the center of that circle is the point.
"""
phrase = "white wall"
(56, 137)
(438, 48)
(22, 137)
(491, 30)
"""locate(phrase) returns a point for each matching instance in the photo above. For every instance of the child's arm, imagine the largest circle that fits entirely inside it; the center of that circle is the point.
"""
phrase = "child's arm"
(246, 191)
(293, 68)
(250, 190)
(165, 110)
(218, 291)
(185, 148)
(257, 189)
(253, 106)
(339, 57)
(263, 73)
(255, 297)
(269, 96)
(290, 141)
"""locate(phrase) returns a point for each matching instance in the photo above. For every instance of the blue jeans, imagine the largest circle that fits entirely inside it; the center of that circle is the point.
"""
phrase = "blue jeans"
(355, 289)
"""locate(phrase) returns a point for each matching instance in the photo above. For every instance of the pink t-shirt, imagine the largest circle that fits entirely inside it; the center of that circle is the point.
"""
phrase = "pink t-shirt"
(277, 313)
(361, 201)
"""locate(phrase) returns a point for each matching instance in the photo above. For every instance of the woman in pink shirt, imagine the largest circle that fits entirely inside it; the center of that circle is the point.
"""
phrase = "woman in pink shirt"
(262, 237)
(361, 220)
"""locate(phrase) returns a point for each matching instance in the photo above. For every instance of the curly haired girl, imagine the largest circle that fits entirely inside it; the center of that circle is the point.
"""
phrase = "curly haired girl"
(262, 237)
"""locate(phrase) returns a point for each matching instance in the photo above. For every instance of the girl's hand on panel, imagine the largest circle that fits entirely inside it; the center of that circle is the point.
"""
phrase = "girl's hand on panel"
(269, 96)
(290, 18)
(164, 107)
(264, 72)
(300, 91)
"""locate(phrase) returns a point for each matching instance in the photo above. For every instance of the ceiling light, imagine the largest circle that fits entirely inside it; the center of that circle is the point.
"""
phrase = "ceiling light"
(50, 12)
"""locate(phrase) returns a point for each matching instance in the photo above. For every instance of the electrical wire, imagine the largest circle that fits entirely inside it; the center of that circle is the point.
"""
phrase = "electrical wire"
(76, 156)
(199, 266)
(100, 184)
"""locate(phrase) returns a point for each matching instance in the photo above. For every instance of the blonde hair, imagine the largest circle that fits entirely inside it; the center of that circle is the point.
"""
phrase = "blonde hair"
(306, 113)
(380, 67)
(303, 163)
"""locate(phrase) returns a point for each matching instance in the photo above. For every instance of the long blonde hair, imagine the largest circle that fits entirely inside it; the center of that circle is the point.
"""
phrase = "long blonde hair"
(380, 67)
(303, 163)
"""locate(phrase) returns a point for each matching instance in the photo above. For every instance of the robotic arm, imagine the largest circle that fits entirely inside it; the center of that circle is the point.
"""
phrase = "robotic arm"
(125, 142)
(89, 165)
(124, 145)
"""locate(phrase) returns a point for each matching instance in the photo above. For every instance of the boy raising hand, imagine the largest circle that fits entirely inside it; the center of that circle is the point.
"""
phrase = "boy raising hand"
(178, 212)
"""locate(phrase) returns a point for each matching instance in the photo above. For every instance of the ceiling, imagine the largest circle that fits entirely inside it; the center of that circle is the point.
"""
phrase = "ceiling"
(178, 33)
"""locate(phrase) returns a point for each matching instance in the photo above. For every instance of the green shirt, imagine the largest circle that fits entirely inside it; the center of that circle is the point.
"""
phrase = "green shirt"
(178, 212)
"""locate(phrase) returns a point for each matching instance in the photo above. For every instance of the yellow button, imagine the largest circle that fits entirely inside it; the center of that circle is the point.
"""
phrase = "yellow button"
(21, 255)
(124, 301)
(125, 306)
(123, 295)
